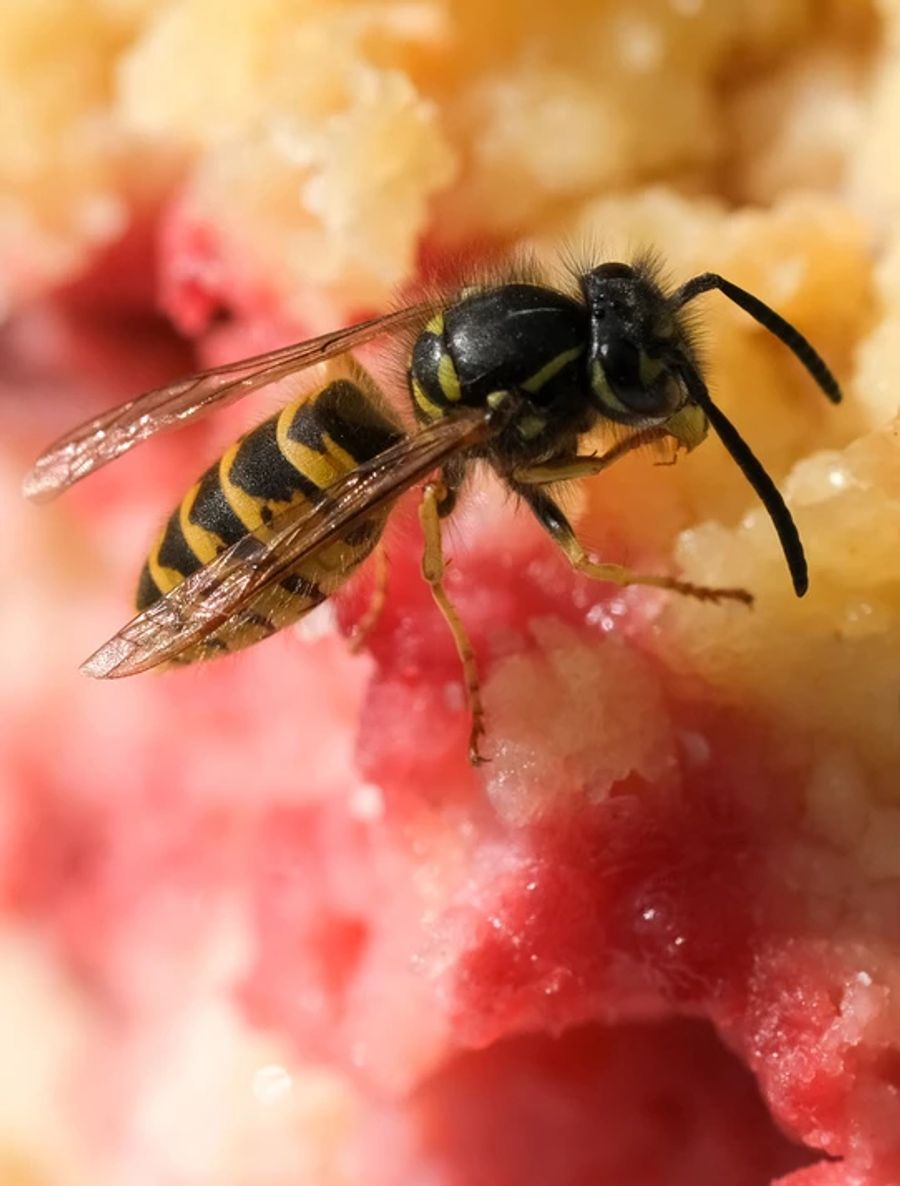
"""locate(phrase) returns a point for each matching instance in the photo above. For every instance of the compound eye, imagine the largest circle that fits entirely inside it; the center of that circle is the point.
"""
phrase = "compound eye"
(632, 379)
(621, 361)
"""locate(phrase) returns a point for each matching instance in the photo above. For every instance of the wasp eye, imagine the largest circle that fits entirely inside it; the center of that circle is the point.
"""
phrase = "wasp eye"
(629, 383)
(621, 362)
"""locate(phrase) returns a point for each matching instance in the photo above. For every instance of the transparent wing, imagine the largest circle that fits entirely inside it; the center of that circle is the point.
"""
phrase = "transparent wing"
(101, 440)
(209, 598)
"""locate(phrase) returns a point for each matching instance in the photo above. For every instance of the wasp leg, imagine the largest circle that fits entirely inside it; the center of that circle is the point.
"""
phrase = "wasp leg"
(554, 521)
(567, 469)
(377, 600)
(432, 509)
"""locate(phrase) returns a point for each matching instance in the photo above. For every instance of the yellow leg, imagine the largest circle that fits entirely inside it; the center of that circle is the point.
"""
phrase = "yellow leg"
(618, 575)
(433, 496)
(551, 517)
(377, 600)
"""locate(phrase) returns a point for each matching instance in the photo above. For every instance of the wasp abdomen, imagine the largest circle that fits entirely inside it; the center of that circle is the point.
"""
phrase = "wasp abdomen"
(283, 464)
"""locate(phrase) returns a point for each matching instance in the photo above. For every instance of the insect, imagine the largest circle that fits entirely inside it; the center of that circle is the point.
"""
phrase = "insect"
(513, 374)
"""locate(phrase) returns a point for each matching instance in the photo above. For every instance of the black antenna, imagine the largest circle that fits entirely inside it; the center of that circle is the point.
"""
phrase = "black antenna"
(757, 477)
(770, 320)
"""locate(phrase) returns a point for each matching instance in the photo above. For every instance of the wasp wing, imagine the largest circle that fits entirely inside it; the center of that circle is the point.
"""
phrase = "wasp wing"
(99, 441)
(209, 598)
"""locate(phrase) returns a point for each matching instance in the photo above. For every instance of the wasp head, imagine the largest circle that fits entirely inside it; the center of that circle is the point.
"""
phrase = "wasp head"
(642, 372)
(637, 353)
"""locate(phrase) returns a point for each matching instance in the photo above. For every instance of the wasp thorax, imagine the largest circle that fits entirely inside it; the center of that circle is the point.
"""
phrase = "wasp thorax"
(630, 344)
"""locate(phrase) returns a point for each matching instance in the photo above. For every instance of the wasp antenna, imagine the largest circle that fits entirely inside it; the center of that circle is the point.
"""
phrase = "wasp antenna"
(770, 320)
(753, 471)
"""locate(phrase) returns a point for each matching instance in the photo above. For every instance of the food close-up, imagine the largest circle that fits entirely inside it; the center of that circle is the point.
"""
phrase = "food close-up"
(450, 620)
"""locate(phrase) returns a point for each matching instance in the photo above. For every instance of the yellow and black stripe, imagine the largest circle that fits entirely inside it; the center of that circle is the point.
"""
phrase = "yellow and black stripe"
(285, 462)
(433, 378)
(517, 337)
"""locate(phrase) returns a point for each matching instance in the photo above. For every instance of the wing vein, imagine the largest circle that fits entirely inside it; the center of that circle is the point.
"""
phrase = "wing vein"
(209, 598)
(102, 439)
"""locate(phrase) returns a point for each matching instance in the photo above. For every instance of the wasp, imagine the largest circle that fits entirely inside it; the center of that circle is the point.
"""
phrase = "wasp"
(513, 374)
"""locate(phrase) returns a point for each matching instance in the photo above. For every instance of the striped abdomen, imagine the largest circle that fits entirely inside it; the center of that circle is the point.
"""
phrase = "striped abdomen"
(283, 463)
